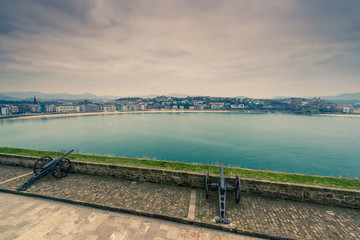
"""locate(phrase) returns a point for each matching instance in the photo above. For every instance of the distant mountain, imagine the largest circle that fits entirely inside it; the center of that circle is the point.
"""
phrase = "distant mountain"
(50, 96)
(344, 96)
(241, 97)
(177, 95)
(4, 97)
(149, 96)
(279, 97)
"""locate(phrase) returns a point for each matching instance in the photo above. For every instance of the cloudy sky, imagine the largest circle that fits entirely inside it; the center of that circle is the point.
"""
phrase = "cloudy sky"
(251, 48)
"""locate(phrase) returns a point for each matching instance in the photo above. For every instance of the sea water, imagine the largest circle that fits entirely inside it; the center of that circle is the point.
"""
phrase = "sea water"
(319, 145)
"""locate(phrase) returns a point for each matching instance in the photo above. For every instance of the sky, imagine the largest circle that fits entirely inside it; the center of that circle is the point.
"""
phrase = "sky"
(256, 48)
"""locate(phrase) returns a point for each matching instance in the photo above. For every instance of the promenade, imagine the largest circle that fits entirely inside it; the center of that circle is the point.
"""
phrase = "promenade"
(254, 215)
(32, 218)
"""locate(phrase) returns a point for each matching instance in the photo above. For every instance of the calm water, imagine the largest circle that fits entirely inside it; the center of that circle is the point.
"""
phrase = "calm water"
(317, 145)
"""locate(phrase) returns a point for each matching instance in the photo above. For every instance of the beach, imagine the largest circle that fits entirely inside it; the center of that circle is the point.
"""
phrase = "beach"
(154, 111)
(109, 113)
(340, 115)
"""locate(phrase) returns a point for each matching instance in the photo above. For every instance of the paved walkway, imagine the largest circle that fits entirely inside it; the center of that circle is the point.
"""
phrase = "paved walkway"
(256, 214)
(31, 218)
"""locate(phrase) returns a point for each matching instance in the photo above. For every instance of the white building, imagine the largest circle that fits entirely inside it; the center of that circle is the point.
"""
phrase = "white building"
(50, 108)
(4, 111)
(347, 110)
(109, 108)
(67, 109)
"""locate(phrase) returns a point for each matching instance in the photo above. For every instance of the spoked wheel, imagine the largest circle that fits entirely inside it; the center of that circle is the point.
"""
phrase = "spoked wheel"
(61, 168)
(238, 189)
(39, 164)
(207, 186)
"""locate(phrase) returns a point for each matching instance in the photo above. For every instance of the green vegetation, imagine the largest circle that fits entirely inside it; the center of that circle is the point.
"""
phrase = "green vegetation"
(335, 182)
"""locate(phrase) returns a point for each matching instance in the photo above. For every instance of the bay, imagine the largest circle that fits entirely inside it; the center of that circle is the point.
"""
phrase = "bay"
(317, 145)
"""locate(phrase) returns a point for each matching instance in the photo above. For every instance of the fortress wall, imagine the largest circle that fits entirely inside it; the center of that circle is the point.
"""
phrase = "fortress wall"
(298, 192)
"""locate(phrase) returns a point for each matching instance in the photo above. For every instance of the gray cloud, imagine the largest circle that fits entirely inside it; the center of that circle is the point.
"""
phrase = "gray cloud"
(254, 48)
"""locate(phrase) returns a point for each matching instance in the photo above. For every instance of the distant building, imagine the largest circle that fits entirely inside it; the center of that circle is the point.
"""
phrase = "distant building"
(109, 108)
(216, 105)
(50, 108)
(5, 111)
(356, 110)
(34, 108)
(92, 108)
(347, 110)
(14, 109)
(237, 106)
(67, 109)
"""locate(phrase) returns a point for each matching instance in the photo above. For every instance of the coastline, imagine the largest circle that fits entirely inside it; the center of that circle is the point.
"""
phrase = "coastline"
(157, 111)
(339, 115)
(120, 112)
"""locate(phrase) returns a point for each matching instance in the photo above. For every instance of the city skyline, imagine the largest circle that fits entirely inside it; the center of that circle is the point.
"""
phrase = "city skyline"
(229, 48)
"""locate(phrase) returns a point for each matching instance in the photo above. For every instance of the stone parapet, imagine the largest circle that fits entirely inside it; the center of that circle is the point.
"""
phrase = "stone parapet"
(298, 192)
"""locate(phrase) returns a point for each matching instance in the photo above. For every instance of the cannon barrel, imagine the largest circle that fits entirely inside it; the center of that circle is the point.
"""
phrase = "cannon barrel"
(222, 178)
(66, 154)
(56, 160)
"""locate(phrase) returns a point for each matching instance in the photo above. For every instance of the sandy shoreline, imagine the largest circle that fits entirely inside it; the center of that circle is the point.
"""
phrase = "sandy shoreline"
(153, 111)
(110, 113)
(339, 115)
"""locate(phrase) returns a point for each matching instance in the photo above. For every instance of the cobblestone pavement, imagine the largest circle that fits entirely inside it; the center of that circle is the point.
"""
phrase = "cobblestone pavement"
(141, 196)
(8, 172)
(293, 219)
(30, 218)
(263, 215)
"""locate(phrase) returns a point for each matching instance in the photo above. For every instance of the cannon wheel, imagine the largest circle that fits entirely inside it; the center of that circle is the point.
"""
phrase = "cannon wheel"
(238, 189)
(207, 186)
(61, 168)
(41, 162)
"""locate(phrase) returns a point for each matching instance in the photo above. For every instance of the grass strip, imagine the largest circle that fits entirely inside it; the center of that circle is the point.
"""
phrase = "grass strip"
(336, 182)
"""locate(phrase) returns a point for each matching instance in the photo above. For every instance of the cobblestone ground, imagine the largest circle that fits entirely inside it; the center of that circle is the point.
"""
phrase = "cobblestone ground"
(270, 216)
(283, 218)
(142, 196)
(31, 218)
(7, 172)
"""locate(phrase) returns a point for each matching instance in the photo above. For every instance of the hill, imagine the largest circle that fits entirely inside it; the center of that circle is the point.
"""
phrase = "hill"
(344, 96)
(50, 96)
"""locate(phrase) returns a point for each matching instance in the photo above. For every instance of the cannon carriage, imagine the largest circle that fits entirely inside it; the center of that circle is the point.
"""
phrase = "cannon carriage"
(59, 168)
(222, 188)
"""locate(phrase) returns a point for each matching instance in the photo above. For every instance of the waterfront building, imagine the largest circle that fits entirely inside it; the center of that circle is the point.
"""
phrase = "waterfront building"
(50, 108)
(67, 109)
(92, 108)
(356, 110)
(109, 108)
(14, 109)
(347, 110)
(216, 105)
(35, 108)
(4, 111)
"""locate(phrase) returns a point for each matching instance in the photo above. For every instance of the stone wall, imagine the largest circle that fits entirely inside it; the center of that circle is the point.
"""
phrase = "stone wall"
(314, 194)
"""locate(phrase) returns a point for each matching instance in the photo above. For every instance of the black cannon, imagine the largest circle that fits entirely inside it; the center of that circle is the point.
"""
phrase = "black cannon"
(59, 168)
(222, 187)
